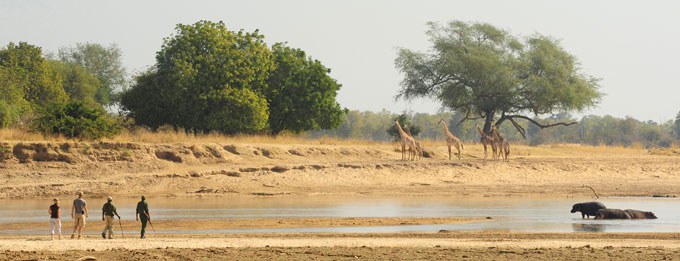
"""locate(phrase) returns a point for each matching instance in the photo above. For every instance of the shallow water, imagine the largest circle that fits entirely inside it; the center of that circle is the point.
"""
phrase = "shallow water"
(516, 214)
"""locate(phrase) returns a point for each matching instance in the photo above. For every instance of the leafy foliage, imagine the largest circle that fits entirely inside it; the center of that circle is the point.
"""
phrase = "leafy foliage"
(300, 93)
(30, 72)
(405, 123)
(199, 73)
(102, 62)
(487, 73)
(75, 120)
(77, 82)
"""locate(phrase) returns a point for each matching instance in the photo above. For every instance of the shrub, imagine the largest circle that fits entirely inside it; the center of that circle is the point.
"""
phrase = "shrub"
(75, 120)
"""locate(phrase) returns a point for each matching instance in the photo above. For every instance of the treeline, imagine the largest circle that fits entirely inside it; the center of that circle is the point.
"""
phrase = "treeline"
(63, 93)
(590, 130)
(206, 79)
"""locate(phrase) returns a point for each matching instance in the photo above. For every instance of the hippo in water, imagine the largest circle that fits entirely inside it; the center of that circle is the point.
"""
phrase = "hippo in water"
(587, 208)
(612, 213)
(637, 214)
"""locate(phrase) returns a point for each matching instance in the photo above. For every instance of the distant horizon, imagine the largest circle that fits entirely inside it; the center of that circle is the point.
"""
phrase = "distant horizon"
(632, 47)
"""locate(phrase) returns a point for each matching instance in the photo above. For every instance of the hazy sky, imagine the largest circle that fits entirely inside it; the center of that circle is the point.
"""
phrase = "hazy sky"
(633, 46)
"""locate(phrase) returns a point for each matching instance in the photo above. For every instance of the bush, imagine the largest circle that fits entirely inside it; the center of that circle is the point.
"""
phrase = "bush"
(75, 120)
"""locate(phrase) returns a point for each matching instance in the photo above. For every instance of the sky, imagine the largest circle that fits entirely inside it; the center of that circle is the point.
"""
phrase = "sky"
(632, 46)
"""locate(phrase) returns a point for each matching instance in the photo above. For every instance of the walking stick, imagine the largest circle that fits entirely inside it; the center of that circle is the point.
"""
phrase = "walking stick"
(149, 218)
(121, 228)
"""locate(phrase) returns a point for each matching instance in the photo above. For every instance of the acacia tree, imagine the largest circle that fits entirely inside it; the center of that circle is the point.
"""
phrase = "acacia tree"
(206, 78)
(486, 73)
(300, 93)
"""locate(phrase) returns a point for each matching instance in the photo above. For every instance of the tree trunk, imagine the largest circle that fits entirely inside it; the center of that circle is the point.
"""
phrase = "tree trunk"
(487, 122)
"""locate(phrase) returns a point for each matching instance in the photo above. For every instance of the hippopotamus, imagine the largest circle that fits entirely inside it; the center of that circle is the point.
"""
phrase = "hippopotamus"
(612, 213)
(587, 208)
(637, 214)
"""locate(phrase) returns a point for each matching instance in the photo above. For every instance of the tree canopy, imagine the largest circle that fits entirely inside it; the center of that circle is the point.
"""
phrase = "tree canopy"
(486, 73)
(205, 74)
(300, 93)
(103, 62)
(207, 78)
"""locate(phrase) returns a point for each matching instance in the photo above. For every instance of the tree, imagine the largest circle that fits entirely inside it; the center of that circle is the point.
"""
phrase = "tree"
(300, 93)
(488, 74)
(75, 120)
(103, 62)
(200, 75)
(405, 122)
(30, 71)
(79, 84)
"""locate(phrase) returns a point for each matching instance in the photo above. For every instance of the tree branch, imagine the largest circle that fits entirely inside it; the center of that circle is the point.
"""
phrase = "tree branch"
(542, 126)
(596, 196)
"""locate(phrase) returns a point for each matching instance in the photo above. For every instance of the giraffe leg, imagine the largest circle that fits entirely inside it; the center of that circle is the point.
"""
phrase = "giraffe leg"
(449, 152)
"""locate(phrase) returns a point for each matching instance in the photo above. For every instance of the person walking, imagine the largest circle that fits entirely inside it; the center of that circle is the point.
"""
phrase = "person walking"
(79, 214)
(143, 214)
(108, 210)
(55, 218)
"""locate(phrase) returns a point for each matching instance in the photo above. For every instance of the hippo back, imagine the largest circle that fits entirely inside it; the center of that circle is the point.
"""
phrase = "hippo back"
(612, 213)
(637, 214)
(588, 208)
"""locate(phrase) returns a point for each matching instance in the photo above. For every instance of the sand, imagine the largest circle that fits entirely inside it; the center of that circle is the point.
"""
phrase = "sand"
(46, 170)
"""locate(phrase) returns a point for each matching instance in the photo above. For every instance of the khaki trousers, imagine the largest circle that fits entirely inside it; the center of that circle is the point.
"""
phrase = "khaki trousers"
(109, 226)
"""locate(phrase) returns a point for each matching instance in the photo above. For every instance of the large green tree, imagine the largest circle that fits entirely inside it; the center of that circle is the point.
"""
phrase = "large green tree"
(205, 74)
(487, 73)
(103, 62)
(300, 93)
(28, 70)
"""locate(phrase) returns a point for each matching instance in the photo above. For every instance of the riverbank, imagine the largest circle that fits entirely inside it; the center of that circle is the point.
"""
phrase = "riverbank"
(46, 170)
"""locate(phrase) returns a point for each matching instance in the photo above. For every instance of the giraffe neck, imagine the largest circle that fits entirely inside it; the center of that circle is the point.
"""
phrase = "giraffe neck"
(401, 131)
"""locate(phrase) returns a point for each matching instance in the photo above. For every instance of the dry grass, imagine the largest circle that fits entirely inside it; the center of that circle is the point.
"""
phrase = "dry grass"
(172, 137)
(169, 136)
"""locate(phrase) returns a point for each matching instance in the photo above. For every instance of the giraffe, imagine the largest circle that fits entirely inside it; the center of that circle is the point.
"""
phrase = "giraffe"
(502, 143)
(450, 139)
(487, 140)
(419, 146)
(406, 140)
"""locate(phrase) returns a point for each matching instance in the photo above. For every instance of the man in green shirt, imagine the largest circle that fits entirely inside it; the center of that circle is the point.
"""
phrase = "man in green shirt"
(107, 216)
(143, 214)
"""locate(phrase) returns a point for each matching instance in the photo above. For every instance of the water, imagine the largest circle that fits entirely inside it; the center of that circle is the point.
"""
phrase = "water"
(518, 215)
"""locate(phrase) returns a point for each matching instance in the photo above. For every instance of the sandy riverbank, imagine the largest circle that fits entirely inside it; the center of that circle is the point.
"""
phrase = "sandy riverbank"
(46, 170)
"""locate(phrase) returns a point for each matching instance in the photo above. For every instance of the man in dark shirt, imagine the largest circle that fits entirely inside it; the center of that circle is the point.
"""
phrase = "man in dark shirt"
(108, 210)
(143, 214)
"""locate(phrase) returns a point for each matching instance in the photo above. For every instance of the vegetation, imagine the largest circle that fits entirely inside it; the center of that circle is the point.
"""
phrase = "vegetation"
(104, 63)
(405, 122)
(590, 130)
(75, 120)
(488, 74)
(300, 93)
(208, 78)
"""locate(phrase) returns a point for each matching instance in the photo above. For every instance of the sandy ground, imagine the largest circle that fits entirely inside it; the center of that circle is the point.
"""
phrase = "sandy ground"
(46, 170)
(455, 245)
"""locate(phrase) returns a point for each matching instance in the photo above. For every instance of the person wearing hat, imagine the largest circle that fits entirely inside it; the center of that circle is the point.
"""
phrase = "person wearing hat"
(79, 214)
(108, 210)
(143, 214)
(55, 218)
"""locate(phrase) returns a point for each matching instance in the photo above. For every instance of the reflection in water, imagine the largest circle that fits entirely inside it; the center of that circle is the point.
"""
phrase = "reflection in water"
(588, 227)
(514, 214)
